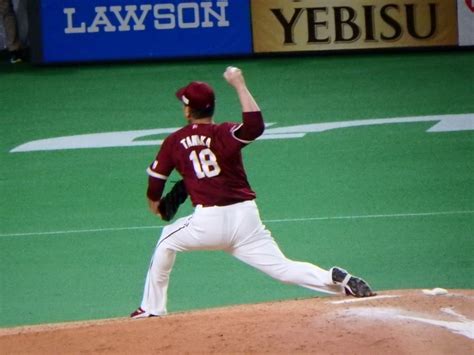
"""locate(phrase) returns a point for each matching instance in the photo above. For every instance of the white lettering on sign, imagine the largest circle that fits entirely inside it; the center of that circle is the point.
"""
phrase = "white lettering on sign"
(131, 13)
(101, 19)
(70, 24)
(168, 16)
(445, 123)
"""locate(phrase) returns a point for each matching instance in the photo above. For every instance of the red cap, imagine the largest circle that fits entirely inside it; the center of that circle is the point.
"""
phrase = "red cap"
(197, 94)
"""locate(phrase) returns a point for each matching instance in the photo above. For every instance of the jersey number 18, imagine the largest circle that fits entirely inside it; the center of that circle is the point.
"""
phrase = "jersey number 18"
(205, 163)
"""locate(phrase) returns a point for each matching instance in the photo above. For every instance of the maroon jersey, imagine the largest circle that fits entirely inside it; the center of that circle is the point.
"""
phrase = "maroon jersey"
(208, 157)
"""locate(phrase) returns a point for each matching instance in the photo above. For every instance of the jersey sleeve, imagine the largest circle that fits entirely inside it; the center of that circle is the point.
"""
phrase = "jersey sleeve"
(163, 165)
(231, 133)
(251, 128)
(159, 171)
(227, 138)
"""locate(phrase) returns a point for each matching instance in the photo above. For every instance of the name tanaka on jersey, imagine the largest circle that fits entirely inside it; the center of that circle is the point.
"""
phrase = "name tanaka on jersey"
(195, 140)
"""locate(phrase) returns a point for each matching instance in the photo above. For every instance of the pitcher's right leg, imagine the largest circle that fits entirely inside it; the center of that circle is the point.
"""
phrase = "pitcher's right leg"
(264, 254)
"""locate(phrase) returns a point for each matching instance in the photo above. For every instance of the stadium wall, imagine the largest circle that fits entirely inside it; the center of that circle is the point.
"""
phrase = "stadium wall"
(73, 31)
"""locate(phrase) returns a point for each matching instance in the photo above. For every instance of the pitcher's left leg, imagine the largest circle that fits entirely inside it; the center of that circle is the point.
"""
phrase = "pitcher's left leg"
(155, 293)
(157, 279)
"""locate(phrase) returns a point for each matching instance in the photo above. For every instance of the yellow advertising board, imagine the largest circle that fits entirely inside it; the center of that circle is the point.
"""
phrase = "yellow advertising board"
(310, 25)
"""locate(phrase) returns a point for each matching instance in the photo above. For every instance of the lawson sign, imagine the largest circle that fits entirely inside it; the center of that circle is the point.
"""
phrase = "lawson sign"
(78, 30)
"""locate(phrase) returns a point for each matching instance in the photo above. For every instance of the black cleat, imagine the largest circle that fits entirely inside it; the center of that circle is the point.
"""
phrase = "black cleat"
(353, 286)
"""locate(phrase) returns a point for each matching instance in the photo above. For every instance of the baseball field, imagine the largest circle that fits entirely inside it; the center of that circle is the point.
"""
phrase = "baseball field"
(367, 163)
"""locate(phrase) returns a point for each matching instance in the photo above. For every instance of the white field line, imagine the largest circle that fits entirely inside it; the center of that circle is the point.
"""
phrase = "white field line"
(284, 220)
(364, 299)
(73, 231)
(371, 216)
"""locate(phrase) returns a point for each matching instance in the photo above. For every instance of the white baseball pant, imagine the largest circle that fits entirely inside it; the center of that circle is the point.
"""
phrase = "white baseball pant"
(238, 230)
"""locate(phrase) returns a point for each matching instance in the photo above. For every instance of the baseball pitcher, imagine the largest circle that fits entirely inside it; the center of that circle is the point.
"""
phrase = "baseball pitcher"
(208, 156)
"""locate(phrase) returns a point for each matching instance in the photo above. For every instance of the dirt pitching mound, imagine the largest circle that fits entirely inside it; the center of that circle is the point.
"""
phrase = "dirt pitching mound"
(394, 322)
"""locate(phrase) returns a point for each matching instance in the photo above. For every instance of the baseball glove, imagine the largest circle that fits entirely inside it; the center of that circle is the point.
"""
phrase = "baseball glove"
(170, 203)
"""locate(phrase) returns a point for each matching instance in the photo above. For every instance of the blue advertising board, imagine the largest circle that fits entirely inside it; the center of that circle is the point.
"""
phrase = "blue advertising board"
(96, 30)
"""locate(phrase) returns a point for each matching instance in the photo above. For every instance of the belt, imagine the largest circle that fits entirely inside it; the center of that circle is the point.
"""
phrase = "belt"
(221, 205)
